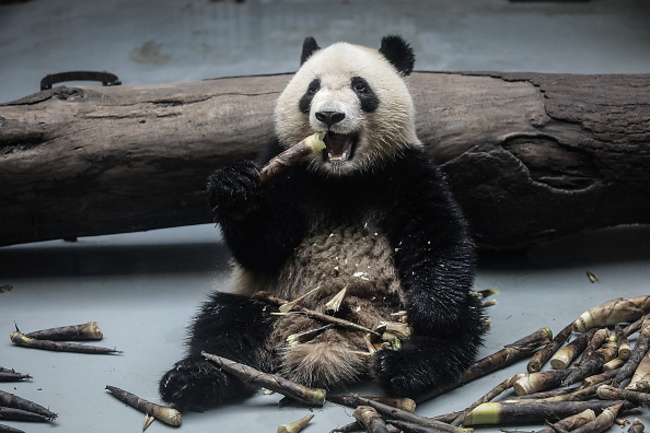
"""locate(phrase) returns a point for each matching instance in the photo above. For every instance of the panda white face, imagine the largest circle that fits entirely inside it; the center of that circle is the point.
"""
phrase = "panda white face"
(358, 97)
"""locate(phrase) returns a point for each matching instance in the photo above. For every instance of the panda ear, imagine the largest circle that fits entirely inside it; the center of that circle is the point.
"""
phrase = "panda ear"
(309, 46)
(398, 52)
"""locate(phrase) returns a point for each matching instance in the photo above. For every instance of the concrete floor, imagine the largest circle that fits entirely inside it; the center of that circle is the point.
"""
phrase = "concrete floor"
(142, 288)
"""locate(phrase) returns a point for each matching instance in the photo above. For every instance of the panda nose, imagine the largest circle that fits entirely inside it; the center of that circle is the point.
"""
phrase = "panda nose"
(330, 117)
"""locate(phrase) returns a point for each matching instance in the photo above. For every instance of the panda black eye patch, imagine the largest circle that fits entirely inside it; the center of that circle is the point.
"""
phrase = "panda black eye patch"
(305, 101)
(368, 98)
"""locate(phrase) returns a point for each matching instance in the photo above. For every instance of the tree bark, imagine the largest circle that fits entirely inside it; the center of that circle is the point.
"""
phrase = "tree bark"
(529, 156)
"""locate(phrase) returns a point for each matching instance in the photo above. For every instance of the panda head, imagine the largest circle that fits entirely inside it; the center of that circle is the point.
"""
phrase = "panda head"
(356, 95)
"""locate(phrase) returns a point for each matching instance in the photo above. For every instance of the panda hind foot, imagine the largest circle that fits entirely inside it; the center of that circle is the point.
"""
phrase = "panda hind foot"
(196, 384)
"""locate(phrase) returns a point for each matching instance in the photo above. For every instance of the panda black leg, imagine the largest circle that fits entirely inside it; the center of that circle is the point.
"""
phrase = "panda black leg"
(228, 325)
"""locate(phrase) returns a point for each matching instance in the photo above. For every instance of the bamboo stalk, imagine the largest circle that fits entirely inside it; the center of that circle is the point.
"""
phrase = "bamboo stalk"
(308, 335)
(370, 419)
(624, 350)
(613, 312)
(348, 428)
(640, 351)
(310, 145)
(395, 413)
(21, 340)
(581, 394)
(544, 395)
(11, 375)
(13, 414)
(489, 396)
(592, 365)
(563, 357)
(599, 378)
(330, 319)
(165, 414)
(402, 403)
(641, 375)
(572, 422)
(530, 411)
(297, 309)
(507, 356)
(540, 357)
(409, 427)
(539, 381)
(11, 400)
(602, 421)
(614, 364)
(606, 392)
(314, 396)
(597, 340)
(82, 332)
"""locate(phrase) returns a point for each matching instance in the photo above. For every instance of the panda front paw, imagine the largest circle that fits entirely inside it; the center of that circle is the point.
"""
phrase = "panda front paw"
(420, 365)
(393, 370)
(196, 384)
(232, 190)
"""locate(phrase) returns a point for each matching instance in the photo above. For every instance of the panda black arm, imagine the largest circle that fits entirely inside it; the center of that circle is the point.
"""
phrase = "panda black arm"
(260, 223)
(434, 254)
(435, 261)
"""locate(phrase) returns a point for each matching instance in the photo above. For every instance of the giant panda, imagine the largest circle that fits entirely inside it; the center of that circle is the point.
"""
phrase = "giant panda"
(371, 213)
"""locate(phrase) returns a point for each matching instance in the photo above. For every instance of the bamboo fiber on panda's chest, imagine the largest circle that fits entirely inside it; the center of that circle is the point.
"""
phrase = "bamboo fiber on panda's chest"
(355, 256)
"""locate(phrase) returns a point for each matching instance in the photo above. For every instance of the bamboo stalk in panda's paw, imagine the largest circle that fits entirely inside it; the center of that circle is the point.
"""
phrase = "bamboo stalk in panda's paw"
(248, 374)
(310, 145)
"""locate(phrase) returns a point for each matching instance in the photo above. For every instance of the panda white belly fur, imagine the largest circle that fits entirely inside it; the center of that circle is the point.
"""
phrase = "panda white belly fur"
(354, 256)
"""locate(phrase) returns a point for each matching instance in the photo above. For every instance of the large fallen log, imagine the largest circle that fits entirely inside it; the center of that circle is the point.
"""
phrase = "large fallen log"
(530, 156)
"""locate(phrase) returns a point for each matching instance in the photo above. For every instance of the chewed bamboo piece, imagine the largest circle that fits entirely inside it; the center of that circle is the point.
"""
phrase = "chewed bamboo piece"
(10, 400)
(571, 422)
(540, 357)
(315, 396)
(606, 392)
(563, 357)
(598, 339)
(165, 414)
(624, 349)
(295, 426)
(592, 365)
(297, 309)
(21, 340)
(82, 332)
(369, 418)
(11, 375)
(310, 145)
(639, 352)
(613, 312)
(636, 427)
(602, 421)
(539, 381)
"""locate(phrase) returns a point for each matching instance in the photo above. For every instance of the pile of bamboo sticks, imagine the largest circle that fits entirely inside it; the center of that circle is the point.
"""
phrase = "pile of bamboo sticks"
(584, 395)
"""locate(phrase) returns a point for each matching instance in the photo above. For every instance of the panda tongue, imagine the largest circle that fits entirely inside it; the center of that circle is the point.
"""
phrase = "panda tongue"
(338, 146)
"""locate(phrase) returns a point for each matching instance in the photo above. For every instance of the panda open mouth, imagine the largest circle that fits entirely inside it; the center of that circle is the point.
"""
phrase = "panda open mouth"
(339, 147)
